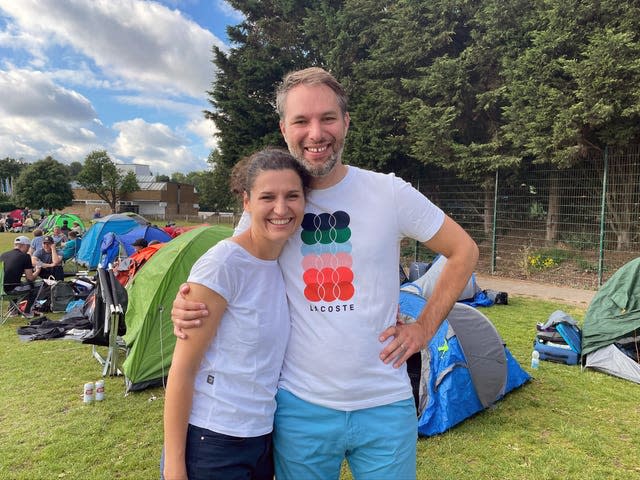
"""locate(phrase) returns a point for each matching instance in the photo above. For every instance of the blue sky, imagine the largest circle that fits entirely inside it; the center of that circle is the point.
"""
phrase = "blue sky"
(125, 76)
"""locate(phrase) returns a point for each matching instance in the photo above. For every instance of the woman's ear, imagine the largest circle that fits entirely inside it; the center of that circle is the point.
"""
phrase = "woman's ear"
(245, 201)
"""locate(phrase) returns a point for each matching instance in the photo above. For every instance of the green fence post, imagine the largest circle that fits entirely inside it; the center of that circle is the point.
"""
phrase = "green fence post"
(603, 209)
(494, 229)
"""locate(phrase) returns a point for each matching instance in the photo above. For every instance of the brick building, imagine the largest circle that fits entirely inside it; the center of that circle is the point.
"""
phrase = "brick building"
(155, 200)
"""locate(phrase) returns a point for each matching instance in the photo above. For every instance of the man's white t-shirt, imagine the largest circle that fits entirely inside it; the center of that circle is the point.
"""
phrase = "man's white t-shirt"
(341, 276)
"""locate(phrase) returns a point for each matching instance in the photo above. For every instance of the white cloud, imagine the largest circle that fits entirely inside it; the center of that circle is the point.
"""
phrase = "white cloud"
(156, 145)
(131, 57)
(145, 43)
(161, 103)
(229, 11)
(39, 118)
(204, 129)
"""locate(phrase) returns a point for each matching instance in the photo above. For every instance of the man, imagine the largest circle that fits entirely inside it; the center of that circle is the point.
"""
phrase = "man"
(339, 395)
(17, 262)
(48, 260)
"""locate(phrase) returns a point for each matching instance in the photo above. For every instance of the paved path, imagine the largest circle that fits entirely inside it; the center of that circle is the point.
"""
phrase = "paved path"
(524, 288)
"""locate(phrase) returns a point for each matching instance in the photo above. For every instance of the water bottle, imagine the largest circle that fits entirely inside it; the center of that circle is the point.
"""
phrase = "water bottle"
(535, 359)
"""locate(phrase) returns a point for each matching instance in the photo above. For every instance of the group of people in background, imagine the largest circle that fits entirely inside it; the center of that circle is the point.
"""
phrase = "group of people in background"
(43, 257)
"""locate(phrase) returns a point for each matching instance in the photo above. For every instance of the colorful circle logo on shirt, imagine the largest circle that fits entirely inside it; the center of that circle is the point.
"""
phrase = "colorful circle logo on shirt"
(327, 258)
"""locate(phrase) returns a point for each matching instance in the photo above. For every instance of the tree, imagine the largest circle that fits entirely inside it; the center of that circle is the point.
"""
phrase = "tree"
(213, 186)
(10, 169)
(44, 184)
(162, 178)
(74, 169)
(101, 176)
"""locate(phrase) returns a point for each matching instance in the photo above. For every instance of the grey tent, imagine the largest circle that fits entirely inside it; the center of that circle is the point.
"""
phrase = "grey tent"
(611, 330)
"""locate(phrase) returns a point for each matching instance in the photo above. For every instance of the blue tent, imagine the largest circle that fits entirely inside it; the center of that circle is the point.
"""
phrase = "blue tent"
(111, 243)
(89, 253)
(464, 369)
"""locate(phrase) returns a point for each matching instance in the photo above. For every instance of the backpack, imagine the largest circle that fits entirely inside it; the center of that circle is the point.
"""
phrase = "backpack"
(61, 294)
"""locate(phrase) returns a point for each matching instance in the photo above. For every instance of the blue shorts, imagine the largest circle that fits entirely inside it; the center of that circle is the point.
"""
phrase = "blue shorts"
(310, 441)
(215, 455)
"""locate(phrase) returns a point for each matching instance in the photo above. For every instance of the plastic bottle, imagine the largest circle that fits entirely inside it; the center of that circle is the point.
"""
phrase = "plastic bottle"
(535, 359)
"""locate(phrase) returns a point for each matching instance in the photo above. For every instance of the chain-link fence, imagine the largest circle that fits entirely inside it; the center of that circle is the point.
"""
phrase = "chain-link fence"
(572, 227)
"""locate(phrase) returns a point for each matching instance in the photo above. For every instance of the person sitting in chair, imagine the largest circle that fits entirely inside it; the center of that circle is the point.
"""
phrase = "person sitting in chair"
(28, 224)
(58, 236)
(16, 263)
(48, 259)
(65, 229)
(70, 247)
(75, 226)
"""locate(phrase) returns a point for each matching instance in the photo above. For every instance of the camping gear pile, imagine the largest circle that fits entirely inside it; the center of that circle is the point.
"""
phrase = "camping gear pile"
(559, 339)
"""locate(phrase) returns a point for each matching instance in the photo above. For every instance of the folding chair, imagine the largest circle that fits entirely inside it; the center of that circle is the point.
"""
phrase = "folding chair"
(108, 319)
(13, 298)
(72, 269)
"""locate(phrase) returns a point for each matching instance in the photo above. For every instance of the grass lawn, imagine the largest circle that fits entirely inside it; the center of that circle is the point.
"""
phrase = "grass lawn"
(565, 424)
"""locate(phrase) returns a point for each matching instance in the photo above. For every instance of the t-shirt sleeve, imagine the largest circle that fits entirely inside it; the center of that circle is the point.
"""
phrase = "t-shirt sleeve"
(213, 271)
(419, 218)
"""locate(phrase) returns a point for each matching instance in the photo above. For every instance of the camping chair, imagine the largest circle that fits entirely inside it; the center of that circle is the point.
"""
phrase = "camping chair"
(110, 297)
(72, 269)
(13, 298)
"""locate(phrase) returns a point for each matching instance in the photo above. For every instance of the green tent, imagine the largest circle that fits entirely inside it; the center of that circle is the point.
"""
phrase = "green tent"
(58, 219)
(149, 336)
(611, 330)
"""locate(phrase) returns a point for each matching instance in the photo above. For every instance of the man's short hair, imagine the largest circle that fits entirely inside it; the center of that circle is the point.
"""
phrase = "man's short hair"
(309, 76)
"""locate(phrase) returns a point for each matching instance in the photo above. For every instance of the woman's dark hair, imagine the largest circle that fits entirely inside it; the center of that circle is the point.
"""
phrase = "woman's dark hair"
(245, 172)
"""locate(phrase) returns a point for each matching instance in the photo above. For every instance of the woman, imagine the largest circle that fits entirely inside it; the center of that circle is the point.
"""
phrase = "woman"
(222, 383)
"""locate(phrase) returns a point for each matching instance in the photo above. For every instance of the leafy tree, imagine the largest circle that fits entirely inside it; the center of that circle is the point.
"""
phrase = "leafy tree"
(213, 186)
(44, 183)
(74, 169)
(11, 168)
(101, 176)
(177, 177)
(162, 178)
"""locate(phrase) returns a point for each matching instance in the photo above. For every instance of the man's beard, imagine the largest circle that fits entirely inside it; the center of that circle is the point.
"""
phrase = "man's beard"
(320, 170)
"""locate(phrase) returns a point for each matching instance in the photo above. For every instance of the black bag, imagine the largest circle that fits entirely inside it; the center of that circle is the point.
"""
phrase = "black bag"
(61, 294)
(498, 298)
